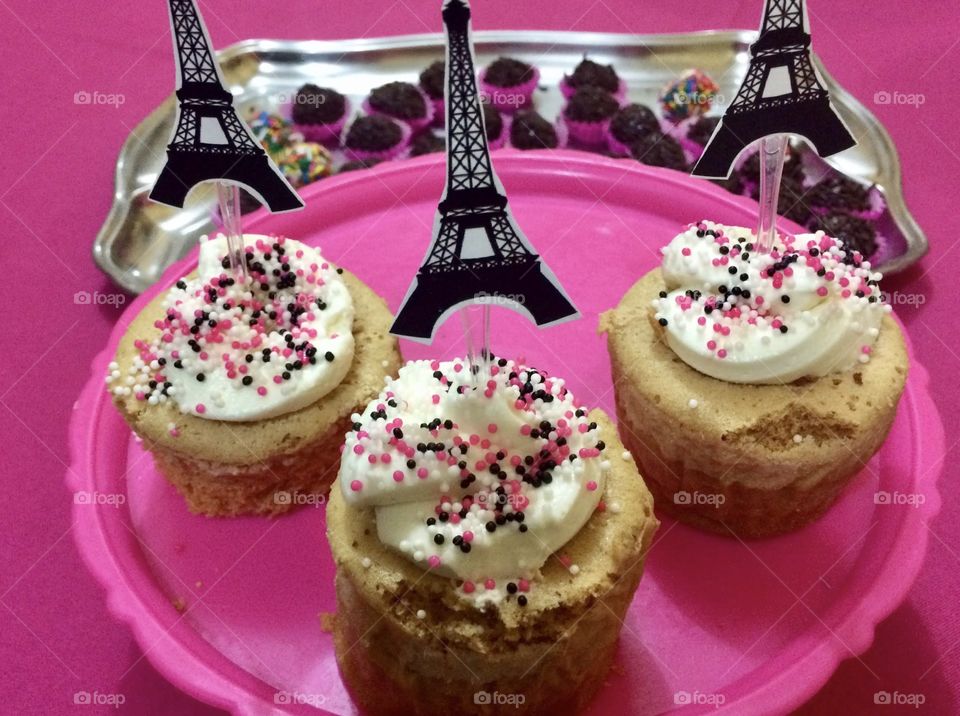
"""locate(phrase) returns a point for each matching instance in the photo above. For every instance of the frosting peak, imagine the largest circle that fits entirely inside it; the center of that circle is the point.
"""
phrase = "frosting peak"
(231, 351)
(479, 477)
(807, 309)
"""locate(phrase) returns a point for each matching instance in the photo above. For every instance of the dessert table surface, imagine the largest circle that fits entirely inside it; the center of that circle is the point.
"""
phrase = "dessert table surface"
(57, 637)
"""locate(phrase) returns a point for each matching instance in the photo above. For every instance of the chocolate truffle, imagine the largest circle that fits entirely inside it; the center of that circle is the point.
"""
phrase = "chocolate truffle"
(531, 131)
(633, 122)
(398, 99)
(591, 104)
(431, 80)
(317, 105)
(373, 133)
(593, 74)
(659, 150)
(508, 72)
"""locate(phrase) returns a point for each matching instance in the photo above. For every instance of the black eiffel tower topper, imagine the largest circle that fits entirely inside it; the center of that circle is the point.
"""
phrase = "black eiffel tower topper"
(478, 254)
(781, 94)
(210, 141)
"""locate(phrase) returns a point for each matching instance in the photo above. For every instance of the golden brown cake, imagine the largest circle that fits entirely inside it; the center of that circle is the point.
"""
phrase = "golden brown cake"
(751, 459)
(423, 629)
(259, 464)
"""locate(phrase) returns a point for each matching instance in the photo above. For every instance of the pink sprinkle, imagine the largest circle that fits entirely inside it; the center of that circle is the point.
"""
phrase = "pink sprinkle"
(523, 585)
(685, 251)
(468, 587)
(356, 485)
(261, 390)
(201, 408)
(397, 476)
(721, 353)
(492, 428)
(422, 473)
(822, 291)
(372, 459)
(358, 449)
(490, 584)
(436, 399)
(433, 561)
(591, 486)
(468, 536)
(866, 350)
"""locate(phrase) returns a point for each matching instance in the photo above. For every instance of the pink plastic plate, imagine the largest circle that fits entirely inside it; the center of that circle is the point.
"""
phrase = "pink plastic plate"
(229, 610)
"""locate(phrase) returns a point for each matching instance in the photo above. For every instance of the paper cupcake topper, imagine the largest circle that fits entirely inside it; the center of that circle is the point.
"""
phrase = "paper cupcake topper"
(478, 253)
(781, 94)
(210, 141)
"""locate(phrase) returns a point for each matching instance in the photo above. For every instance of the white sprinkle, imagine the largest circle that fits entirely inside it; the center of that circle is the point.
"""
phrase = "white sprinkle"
(614, 507)
(626, 455)
(385, 363)
(798, 438)
(864, 358)
(693, 403)
(420, 613)
(574, 569)
(366, 562)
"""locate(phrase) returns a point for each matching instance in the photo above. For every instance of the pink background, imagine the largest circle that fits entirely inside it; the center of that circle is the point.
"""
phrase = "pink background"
(56, 635)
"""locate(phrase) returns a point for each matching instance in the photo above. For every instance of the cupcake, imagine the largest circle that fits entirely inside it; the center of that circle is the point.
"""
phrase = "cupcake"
(660, 150)
(403, 102)
(751, 388)
(508, 84)
(242, 393)
(592, 74)
(319, 113)
(376, 137)
(631, 124)
(529, 130)
(474, 528)
(587, 115)
(432, 85)
(493, 123)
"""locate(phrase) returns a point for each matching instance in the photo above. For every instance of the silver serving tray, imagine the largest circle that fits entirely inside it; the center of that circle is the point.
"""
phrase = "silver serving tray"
(140, 239)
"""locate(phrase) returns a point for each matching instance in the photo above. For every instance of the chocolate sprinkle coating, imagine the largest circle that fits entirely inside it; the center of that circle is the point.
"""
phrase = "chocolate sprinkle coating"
(856, 233)
(659, 150)
(591, 104)
(633, 123)
(507, 72)
(838, 192)
(373, 133)
(593, 74)
(317, 105)
(399, 99)
(431, 79)
(427, 143)
(531, 131)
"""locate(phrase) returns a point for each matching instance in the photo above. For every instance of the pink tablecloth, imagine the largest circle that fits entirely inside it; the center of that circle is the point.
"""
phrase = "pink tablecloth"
(56, 635)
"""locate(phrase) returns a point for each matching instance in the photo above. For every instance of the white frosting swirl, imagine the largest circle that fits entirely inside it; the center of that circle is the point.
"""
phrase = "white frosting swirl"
(273, 345)
(807, 309)
(432, 452)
